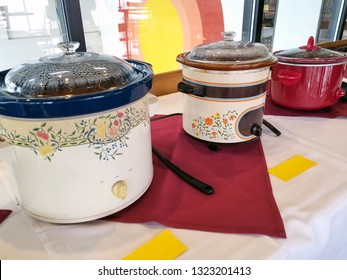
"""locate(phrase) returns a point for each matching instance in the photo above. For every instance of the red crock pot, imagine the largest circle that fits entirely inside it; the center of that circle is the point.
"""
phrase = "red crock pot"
(308, 77)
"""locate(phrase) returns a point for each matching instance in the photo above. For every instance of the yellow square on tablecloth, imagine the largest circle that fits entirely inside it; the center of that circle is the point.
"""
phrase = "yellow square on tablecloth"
(291, 167)
(164, 246)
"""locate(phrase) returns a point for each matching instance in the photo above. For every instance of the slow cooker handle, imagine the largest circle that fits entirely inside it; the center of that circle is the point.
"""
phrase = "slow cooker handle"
(191, 88)
(289, 77)
(340, 93)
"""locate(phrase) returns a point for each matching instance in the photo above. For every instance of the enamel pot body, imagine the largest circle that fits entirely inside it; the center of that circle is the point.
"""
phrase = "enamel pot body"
(308, 77)
(306, 86)
(223, 106)
(83, 157)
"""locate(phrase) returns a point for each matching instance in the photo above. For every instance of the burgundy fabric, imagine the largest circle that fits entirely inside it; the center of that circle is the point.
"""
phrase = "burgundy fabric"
(4, 213)
(337, 110)
(243, 201)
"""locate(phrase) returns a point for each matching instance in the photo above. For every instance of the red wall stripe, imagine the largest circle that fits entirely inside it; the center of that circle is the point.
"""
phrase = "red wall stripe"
(212, 20)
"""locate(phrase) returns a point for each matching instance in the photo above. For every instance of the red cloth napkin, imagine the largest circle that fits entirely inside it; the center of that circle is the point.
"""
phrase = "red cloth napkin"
(337, 110)
(4, 214)
(243, 201)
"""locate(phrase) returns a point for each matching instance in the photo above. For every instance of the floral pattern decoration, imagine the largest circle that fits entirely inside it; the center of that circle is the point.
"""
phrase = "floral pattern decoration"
(215, 127)
(107, 133)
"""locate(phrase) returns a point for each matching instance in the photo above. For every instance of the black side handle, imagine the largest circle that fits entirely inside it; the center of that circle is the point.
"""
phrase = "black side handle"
(197, 184)
(271, 127)
(191, 88)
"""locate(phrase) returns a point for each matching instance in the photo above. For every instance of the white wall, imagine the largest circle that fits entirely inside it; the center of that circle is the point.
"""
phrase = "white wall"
(233, 16)
(296, 21)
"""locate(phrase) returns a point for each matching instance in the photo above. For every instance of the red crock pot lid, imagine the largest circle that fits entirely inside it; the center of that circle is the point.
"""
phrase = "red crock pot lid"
(310, 54)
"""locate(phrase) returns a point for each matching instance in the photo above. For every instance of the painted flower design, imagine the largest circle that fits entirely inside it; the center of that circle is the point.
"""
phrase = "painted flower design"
(112, 131)
(100, 130)
(42, 135)
(107, 134)
(46, 150)
(208, 121)
(215, 127)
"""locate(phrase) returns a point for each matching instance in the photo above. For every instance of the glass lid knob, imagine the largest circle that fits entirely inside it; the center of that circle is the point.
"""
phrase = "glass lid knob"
(68, 47)
(229, 35)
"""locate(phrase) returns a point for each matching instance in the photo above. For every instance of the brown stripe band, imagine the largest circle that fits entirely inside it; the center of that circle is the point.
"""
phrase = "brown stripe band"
(221, 92)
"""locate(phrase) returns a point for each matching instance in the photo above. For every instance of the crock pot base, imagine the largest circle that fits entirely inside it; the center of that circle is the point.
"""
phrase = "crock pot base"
(304, 108)
(87, 218)
(213, 146)
(334, 111)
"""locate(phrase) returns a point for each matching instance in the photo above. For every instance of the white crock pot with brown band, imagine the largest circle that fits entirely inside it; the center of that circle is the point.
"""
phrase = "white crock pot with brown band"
(79, 127)
(224, 85)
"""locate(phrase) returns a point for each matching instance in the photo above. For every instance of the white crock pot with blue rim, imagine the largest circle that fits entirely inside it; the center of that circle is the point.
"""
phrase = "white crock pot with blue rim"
(79, 127)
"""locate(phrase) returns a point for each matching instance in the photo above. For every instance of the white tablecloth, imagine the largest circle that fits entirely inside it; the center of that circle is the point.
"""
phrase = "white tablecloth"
(313, 206)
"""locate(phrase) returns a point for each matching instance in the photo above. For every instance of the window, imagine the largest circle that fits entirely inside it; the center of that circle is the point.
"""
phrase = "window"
(28, 29)
(156, 31)
(332, 21)
(268, 23)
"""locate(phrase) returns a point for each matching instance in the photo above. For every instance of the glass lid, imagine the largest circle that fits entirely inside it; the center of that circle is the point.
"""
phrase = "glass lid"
(68, 74)
(228, 55)
(310, 53)
(228, 50)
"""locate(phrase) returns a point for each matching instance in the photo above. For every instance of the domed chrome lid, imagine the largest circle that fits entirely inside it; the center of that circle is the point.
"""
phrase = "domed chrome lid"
(69, 74)
(228, 55)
